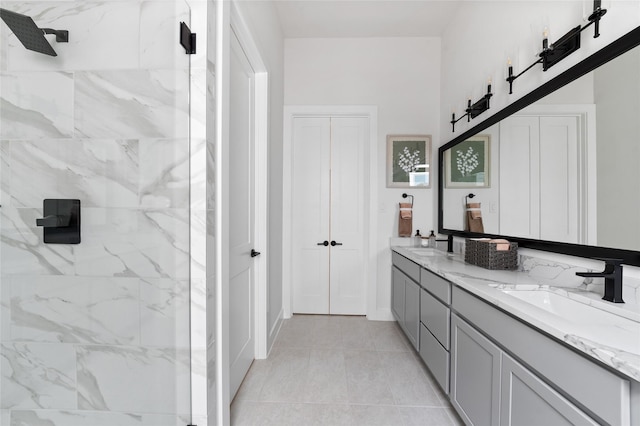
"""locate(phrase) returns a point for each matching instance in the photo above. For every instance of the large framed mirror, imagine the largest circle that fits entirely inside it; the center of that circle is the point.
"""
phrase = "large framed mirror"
(559, 169)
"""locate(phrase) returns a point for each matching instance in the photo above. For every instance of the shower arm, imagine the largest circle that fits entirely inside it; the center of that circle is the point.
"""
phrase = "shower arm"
(62, 36)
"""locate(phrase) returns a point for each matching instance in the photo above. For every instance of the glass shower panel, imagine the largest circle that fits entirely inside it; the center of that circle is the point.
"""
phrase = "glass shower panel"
(96, 333)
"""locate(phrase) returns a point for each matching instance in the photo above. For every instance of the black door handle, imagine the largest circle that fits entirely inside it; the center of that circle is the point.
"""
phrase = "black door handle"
(326, 243)
(254, 253)
(333, 244)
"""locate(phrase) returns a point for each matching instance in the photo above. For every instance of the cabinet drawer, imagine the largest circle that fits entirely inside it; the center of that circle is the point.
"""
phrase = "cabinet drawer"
(435, 357)
(437, 285)
(411, 269)
(435, 316)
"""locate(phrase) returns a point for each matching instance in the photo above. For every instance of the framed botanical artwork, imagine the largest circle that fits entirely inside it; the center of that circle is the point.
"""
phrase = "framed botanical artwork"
(467, 163)
(408, 161)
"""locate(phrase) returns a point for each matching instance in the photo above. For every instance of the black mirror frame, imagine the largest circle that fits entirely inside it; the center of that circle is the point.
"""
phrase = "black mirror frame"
(613, 50)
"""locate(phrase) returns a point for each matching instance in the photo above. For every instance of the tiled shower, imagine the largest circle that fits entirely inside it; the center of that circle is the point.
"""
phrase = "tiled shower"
(111, 331)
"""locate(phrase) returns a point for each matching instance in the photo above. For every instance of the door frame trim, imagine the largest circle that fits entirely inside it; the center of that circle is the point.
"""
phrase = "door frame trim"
(230, 19)
(261, 92)
(371, 196)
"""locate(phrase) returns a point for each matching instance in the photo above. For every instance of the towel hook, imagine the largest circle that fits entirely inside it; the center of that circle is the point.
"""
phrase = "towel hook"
(405, 195)
(466, 201)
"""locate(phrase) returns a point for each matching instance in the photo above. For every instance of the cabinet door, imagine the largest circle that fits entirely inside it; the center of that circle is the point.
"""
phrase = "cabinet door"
(412, 311)
(526, 400)
(475, 375)
(397, 295)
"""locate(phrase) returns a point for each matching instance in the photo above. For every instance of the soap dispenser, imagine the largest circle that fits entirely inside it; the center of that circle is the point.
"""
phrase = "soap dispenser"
(417, 239)
(432, 240)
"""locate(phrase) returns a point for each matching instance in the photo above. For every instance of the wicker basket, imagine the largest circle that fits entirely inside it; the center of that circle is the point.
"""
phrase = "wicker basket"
(484, 254)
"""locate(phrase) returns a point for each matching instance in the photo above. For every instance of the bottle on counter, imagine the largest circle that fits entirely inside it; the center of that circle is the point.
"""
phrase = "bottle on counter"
(432, 240)
(417, 239)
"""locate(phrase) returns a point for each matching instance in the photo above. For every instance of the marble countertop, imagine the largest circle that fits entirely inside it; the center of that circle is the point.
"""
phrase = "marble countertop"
(610, 335)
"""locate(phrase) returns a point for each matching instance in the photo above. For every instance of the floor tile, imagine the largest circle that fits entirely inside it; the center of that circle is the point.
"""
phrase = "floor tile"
(326, 379)
(287, 376)
(375, 415)
(341, 370)
(425, 416)
(408, 383)
(366, 380)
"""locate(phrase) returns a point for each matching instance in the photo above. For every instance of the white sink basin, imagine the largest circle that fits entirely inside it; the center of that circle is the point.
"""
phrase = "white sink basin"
(564, 307)
(618, 331)
(423, 251)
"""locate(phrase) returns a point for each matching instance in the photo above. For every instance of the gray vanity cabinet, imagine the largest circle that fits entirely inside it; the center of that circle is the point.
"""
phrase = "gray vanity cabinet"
(548, 384)
(526, 399)
(475, 375)
(397, 295)
(405, 297)
(412, 312)
(435, 315)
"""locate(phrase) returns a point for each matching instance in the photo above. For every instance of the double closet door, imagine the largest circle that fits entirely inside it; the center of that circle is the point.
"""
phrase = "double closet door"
(540, 190)
(328, 229)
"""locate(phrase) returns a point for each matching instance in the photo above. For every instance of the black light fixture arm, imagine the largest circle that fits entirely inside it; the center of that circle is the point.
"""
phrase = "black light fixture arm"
(594, 18)
(564, 46)
(473, 110)
(512, 77)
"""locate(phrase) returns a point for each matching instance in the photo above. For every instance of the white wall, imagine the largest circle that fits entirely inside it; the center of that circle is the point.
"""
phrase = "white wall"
(401, 77)
(264, 24)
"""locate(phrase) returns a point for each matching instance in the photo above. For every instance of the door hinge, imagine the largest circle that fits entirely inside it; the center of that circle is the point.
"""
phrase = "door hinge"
(187, 39)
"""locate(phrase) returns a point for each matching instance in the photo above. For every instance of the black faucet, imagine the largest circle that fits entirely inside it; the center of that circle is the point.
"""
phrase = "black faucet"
(449, 241)
(612, 275)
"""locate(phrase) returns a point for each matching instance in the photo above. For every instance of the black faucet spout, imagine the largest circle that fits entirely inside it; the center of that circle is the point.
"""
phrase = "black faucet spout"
(449, 241)
(612, 275)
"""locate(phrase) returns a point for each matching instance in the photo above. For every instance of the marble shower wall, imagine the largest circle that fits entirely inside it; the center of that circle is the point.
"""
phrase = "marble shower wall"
(97, 333)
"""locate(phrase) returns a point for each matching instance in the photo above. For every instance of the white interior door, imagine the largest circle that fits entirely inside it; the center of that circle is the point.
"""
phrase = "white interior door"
(310, 221)
(242, 216)
(347, 292)
(539, 185)
(520, 177)
(559, 159)
(328, 231)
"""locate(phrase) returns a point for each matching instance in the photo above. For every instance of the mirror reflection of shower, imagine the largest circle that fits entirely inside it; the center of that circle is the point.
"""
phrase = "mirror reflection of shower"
(32, 37)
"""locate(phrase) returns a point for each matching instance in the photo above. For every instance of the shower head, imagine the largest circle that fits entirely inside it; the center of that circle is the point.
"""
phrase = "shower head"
(30, 35)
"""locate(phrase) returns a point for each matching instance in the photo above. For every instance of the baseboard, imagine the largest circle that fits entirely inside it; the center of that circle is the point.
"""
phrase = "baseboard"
(381, 315)
(273, 333)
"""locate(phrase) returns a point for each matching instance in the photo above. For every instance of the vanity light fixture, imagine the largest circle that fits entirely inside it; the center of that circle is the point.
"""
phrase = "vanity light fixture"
(473, 110)
(566, 45)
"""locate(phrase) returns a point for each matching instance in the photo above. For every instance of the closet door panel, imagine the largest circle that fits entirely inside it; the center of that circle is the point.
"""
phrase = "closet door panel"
(311, 198)
(559, 218)
(520, 177)
(347, 220)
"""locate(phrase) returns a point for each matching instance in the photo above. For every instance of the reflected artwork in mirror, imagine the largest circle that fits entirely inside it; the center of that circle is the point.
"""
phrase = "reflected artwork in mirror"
(564, 162)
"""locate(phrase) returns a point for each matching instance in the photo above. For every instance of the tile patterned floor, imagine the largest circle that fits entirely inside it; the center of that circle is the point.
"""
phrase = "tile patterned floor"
(338, 370)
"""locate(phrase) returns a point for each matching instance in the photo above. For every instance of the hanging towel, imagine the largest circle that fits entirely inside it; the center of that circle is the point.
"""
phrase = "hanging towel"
(405, 210)
(405, 224)
(474, 218)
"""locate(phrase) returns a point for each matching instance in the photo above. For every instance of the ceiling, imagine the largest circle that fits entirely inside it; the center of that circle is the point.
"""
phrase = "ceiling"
(365, 18)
